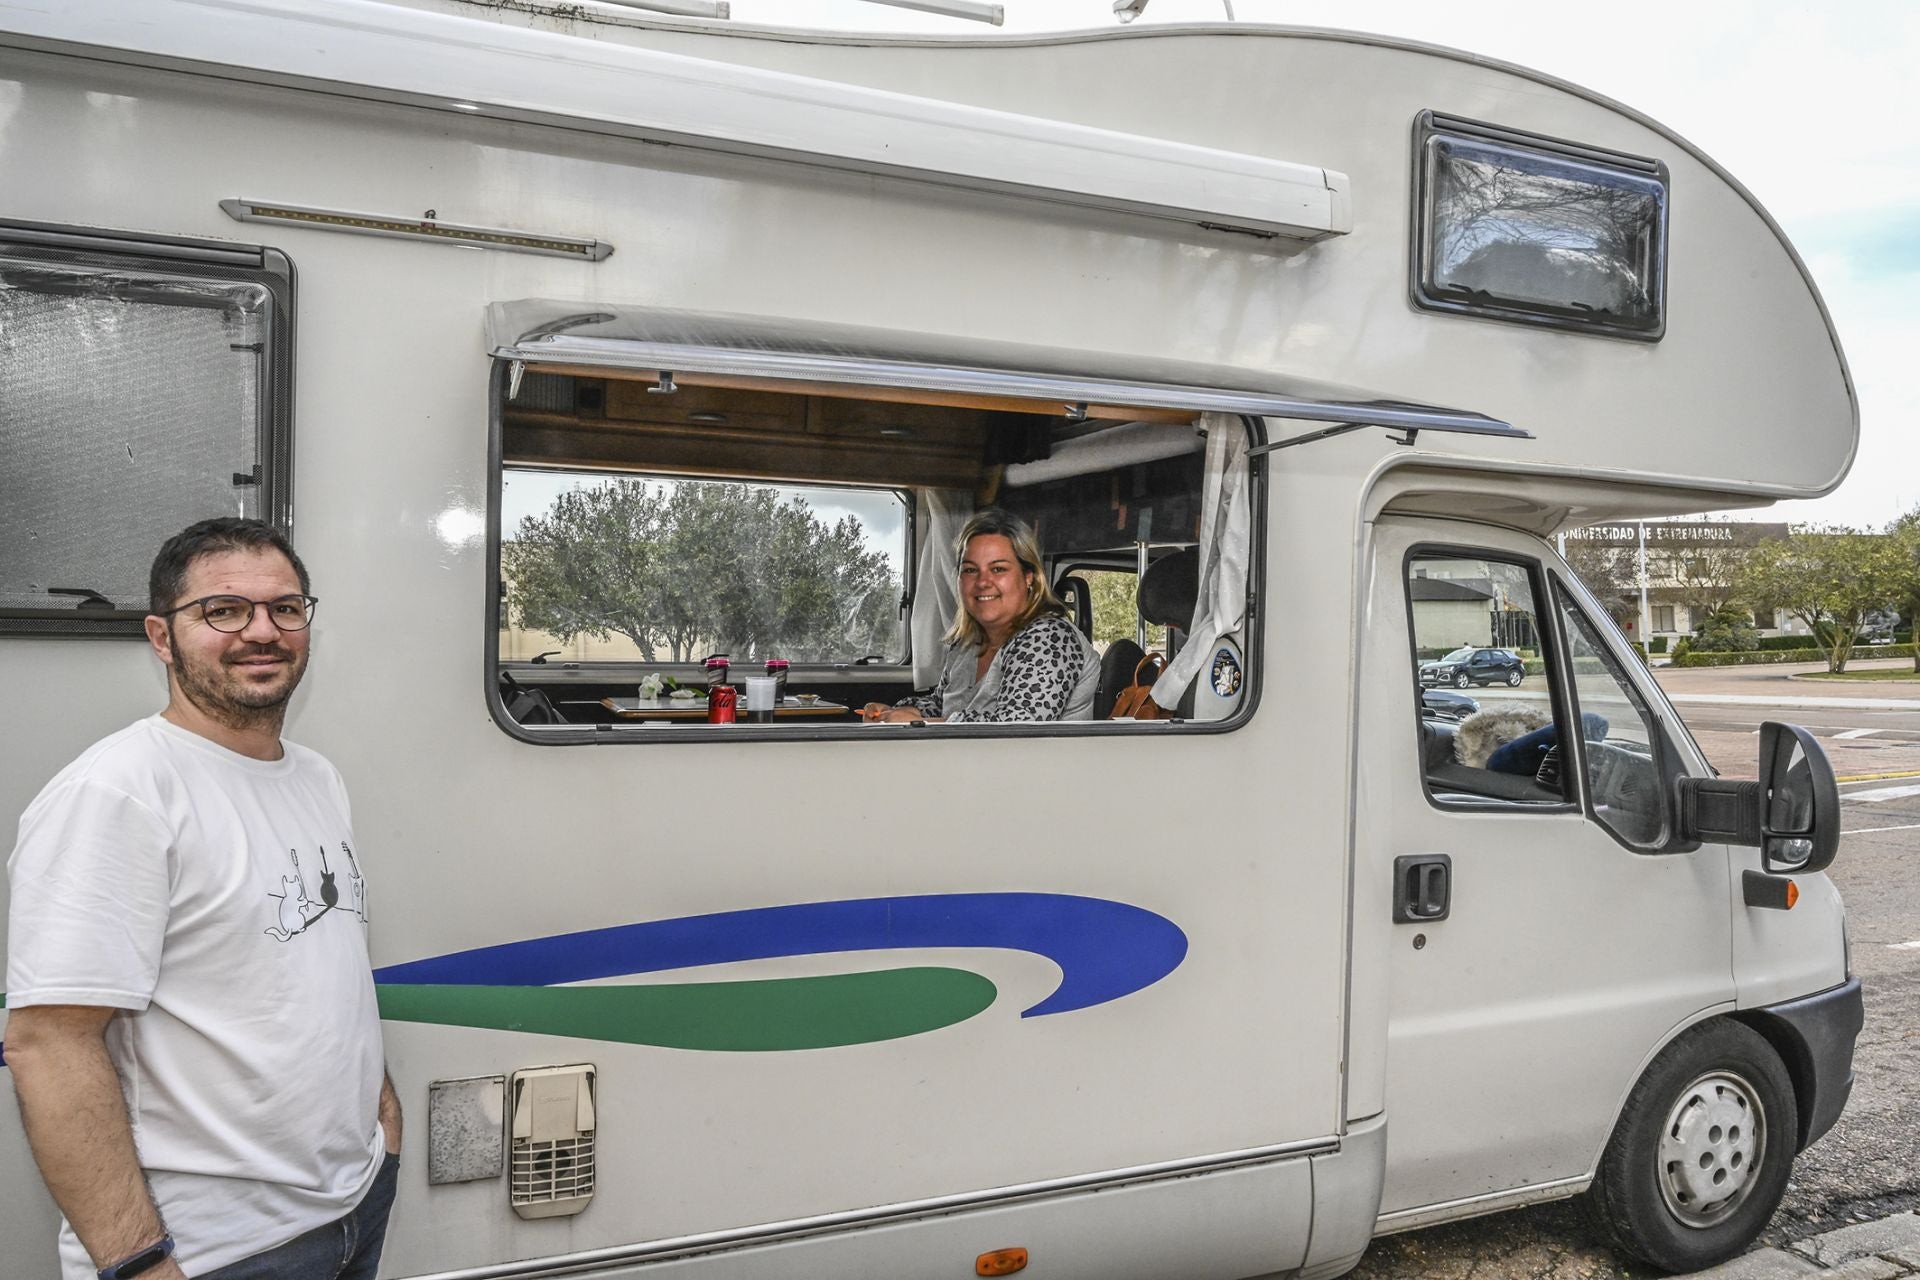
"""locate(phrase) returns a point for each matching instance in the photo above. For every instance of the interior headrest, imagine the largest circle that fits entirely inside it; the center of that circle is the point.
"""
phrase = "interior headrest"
(1170, 587)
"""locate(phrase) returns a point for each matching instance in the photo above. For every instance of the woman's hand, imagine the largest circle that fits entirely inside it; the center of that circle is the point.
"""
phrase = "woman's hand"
(880, 712)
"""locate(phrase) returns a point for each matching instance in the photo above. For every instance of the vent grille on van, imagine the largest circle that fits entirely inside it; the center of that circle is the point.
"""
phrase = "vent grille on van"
(551, 1169)
(546, 1172)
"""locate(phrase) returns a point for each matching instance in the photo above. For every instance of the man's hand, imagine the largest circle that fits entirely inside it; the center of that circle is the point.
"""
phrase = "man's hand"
(390, 1122)
(76, 1121)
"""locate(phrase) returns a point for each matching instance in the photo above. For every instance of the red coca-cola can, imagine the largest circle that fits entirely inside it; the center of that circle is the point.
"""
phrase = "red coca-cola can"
(722, 703)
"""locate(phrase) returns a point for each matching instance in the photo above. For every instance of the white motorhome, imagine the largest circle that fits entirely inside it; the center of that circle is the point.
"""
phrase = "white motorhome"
(636, 339)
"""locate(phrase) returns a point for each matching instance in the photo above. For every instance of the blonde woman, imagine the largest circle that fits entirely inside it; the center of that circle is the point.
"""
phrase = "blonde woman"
(1012, 655)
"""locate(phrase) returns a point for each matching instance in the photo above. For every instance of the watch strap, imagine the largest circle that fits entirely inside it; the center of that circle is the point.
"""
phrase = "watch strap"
(139, 1263)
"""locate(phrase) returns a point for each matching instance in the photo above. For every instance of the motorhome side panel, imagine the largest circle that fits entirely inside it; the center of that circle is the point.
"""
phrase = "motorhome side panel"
(472, 839)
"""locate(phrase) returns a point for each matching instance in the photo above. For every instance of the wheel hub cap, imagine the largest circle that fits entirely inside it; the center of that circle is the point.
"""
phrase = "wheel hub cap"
(1710, 1149)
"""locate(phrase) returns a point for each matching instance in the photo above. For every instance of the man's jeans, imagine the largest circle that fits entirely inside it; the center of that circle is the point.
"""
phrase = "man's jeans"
(347, 1249)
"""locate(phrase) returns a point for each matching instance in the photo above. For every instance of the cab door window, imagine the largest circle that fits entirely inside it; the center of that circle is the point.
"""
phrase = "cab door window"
(1488, 725)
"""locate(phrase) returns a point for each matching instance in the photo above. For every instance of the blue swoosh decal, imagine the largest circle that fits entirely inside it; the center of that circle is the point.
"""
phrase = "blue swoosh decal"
(1105, 949)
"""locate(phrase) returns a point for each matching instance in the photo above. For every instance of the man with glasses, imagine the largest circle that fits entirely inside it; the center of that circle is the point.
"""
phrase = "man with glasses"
(192, 1027)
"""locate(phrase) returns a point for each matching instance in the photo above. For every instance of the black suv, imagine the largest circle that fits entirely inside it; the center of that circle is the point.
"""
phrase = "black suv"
(1471, 666)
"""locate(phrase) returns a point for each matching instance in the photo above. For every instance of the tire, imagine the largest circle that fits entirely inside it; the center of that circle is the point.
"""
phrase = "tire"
(1462, 681)
(1700, 1156)
(1514, 677)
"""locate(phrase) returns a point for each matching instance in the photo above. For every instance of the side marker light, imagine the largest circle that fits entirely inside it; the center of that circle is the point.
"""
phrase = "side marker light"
(1774, 893)
(1001, 1262)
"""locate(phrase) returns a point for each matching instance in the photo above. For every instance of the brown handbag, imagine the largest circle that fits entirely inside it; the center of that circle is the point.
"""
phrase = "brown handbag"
(1136, 700)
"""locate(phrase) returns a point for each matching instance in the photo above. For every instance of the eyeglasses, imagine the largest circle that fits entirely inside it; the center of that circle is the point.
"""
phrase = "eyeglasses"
(235, 613)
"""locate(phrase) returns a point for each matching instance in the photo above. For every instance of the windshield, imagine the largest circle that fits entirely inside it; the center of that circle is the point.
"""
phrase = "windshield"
(1458, 655)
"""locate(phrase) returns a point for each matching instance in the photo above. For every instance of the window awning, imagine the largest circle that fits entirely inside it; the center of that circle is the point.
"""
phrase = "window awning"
(657, 341)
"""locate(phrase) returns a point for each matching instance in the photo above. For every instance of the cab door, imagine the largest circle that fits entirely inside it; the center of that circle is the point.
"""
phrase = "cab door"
(1544, 945)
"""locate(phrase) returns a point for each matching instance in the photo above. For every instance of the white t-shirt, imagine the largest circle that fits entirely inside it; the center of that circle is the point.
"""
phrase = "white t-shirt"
(220, 901)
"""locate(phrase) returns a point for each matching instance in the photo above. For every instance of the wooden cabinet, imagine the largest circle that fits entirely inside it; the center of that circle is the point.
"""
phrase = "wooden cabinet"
(704, 429)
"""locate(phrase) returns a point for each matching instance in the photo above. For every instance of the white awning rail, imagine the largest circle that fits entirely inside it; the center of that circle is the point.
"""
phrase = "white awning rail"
(367, 49)
(664, 343)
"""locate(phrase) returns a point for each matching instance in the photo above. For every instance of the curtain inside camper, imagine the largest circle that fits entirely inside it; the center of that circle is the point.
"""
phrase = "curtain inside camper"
(1220, 605)
(936, 594)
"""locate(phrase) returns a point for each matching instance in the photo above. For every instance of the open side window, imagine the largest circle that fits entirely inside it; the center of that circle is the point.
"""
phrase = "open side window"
(641, 531)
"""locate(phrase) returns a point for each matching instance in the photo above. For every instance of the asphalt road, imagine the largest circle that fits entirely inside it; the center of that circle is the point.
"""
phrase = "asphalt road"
(1869, 1165)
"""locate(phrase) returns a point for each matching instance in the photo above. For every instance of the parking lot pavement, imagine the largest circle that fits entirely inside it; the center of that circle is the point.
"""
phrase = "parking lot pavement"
(1868, 728)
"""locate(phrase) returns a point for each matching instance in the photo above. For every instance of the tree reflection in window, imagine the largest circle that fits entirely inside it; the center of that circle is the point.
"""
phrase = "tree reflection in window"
(1530, 234)
(671, 569)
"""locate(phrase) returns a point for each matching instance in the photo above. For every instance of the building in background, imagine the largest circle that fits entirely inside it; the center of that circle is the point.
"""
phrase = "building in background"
(1692, 572)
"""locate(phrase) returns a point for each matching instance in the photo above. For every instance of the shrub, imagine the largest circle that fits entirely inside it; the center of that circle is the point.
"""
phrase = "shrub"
(1730, 659)
(1726, 631)
(1783, 642)
(1682, 647)
(1659, 644)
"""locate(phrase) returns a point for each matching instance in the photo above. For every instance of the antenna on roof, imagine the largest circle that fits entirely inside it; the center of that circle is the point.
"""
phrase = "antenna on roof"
(976, 10)
(684, 8)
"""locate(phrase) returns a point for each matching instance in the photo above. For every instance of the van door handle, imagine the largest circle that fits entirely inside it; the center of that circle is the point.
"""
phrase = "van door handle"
(1422, 887)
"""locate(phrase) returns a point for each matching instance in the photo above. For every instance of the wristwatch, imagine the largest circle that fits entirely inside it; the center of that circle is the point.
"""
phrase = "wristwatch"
(140, 1263)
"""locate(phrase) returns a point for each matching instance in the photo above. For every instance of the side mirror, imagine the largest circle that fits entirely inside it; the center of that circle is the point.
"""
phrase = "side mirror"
(1800, 821)
(1792, 814)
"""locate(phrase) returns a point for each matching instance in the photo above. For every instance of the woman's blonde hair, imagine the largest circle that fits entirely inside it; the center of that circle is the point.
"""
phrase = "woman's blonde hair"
(1026, 549)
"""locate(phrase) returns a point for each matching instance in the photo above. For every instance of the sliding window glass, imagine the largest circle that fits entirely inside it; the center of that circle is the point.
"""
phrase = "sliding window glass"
(143, 386)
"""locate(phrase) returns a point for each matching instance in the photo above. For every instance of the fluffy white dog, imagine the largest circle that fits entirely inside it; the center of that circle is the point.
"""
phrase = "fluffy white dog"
(1484, 732)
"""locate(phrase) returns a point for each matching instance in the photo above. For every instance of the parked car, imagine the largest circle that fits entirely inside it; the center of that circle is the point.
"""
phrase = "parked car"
(1446, 706)
(1469, 666)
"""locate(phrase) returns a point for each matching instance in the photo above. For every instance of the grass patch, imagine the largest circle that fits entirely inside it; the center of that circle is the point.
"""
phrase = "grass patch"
(1907, 676)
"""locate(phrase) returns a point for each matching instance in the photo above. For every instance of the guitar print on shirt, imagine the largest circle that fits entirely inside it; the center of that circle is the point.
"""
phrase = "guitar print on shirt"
(299, 911)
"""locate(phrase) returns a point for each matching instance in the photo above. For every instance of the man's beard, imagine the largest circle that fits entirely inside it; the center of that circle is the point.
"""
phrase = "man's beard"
(230, 702)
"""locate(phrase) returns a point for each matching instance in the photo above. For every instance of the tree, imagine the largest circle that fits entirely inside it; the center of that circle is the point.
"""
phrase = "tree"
(1706, 576)
(1612, 573)
(1904, 535)
(1830, 579)
(690, 566)
(1116, 609)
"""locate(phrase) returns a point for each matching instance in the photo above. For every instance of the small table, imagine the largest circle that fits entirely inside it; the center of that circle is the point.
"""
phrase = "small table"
(790, 708)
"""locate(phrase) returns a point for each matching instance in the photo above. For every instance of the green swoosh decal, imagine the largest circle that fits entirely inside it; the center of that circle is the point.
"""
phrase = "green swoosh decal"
(751, 1016)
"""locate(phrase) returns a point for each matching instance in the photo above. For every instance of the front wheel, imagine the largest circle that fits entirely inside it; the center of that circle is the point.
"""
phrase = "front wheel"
(1462, 681)
(1699, 1159)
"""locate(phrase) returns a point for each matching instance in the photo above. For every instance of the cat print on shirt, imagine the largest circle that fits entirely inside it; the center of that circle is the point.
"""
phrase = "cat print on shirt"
(298, 909)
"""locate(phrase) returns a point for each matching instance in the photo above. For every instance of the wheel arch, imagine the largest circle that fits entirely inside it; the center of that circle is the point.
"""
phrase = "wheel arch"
(1799, 1063)
(1641, 1068)
(1814, 1037)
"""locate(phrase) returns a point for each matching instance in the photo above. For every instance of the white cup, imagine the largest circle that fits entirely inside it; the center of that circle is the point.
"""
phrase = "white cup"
(761, 692)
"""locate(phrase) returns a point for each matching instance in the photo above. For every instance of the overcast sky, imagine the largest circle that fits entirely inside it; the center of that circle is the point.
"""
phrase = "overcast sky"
(1811, 106)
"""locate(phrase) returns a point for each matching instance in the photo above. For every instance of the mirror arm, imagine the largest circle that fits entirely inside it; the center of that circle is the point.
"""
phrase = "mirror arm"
(1720, 810)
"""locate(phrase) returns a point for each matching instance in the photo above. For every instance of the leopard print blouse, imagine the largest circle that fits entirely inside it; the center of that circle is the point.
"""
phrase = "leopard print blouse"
(1046, 672)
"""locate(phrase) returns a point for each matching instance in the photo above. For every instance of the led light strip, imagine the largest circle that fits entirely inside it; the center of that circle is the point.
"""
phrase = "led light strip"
(423, 228)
